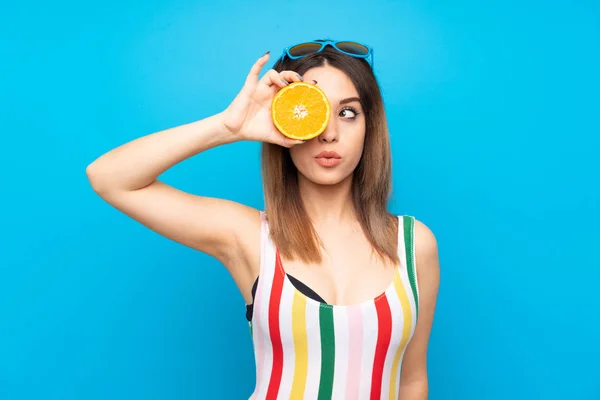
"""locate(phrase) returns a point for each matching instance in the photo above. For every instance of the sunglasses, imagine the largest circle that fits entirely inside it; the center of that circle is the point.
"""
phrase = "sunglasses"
(353, 49)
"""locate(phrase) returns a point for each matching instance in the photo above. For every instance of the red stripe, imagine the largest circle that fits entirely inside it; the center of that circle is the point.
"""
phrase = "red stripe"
(274, 331)
(384, 334)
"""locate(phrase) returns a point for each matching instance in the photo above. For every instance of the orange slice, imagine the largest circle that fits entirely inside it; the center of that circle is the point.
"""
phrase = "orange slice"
(300, 111)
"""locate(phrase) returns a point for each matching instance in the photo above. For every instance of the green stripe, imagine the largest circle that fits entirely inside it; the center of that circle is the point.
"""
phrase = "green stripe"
(409, 228)
(327, 352)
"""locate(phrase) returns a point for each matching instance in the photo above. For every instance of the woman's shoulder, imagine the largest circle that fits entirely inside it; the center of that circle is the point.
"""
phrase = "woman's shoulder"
(425, 242)
(425, 248)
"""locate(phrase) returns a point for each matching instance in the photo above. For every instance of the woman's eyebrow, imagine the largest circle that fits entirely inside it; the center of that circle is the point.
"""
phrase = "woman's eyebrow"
(349, 100)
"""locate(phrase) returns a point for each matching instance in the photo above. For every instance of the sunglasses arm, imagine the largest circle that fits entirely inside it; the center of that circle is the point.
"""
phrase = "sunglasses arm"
(372, 60)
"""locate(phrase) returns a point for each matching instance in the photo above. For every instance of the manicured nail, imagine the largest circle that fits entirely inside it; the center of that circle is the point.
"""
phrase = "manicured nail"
(285, 82)
(300, 77)
(266, 53)
(315, 81)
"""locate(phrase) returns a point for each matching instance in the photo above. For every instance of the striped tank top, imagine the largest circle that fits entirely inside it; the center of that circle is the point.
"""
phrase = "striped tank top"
(306, 349)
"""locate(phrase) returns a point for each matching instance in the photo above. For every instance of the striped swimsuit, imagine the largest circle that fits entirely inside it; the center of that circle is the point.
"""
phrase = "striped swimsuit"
(306, 349)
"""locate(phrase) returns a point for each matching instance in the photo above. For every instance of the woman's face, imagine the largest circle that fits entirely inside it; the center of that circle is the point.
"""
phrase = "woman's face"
(332, 156)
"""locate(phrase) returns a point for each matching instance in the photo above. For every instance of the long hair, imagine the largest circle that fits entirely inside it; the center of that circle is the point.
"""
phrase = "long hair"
(291, 229)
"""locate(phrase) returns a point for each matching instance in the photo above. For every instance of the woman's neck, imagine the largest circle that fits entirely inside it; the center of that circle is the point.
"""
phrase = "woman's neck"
(328, 204)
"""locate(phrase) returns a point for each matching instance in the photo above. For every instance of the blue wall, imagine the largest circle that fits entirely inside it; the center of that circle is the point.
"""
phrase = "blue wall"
(493, 108)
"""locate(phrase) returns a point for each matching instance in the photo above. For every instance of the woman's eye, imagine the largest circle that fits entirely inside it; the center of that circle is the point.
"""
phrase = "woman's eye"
(348, 113)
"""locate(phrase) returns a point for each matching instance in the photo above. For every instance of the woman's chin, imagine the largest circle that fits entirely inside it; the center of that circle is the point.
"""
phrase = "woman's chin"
(327, 179)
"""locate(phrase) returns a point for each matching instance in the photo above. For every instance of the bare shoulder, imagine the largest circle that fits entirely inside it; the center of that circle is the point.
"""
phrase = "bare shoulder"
(427, 259)
(426, 247)
(428, 268)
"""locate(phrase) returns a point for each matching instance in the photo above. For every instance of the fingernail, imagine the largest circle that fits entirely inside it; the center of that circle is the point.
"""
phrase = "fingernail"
(266, 53)
(285, 82)
(315, 81)
(300, 77)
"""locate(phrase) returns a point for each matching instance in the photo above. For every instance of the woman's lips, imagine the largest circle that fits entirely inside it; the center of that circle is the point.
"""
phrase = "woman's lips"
(328, 158)
(328, 162)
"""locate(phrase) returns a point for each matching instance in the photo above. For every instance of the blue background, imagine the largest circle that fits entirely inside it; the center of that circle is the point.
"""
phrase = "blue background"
(494, 114)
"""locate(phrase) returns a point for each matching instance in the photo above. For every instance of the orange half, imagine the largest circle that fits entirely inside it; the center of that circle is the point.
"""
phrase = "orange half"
(300, 111)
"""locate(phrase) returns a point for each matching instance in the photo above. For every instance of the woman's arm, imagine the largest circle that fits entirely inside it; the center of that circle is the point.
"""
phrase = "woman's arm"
(127, 178)
(414, 382)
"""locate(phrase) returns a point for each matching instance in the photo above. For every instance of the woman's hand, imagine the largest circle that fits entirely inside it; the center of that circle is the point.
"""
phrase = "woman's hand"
(249, 115)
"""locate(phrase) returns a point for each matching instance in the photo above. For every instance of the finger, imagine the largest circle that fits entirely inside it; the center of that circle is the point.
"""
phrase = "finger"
(273, 78)
(291, 76)
(287, 142)
(252, 77)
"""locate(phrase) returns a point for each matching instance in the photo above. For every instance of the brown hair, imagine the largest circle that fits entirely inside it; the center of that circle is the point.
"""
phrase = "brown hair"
(291, 229)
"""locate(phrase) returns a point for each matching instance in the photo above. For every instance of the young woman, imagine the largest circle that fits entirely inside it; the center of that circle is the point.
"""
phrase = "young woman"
(340, 293)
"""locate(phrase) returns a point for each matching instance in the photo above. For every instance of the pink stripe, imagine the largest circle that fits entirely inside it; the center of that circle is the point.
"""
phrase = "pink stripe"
(355, 330)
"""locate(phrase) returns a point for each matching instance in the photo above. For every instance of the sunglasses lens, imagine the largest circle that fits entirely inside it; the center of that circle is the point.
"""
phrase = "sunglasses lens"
(353, 48)
(304, 49)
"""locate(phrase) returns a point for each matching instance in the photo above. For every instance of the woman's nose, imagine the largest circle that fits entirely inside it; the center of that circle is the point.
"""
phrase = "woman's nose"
(330, 133)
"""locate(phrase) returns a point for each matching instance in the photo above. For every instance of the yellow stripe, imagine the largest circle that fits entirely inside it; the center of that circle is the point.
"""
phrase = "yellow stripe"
(406, 328)
(300, 346)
